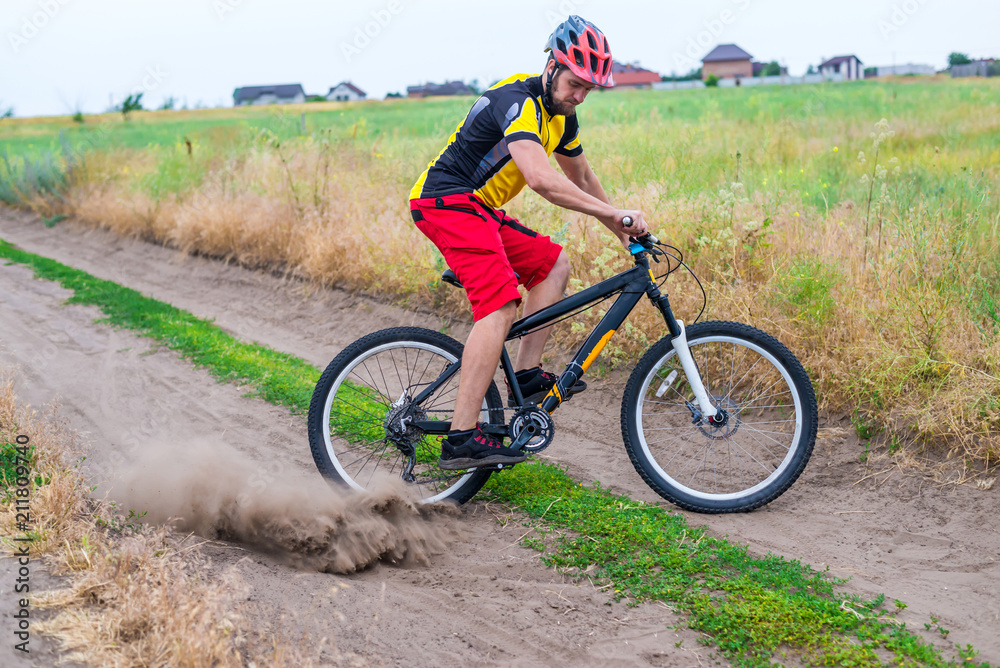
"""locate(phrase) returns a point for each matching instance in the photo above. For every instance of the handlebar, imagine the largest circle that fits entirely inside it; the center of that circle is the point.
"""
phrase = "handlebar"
(646, 239)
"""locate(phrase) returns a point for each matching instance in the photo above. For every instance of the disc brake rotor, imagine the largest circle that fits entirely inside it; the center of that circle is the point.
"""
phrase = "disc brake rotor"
(728, 427)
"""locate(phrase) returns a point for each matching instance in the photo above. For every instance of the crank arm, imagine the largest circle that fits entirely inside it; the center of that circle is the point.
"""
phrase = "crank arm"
(530, 431)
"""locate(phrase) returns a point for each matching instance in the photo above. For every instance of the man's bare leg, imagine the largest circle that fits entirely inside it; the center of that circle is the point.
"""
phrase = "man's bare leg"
(546, 293)
(479, 362)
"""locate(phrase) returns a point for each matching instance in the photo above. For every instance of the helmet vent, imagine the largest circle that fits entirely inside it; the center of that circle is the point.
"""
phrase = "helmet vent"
(573, 37)
(578, 55)
(561, 45)
(591, 40)
(593, 63)
(607, 63)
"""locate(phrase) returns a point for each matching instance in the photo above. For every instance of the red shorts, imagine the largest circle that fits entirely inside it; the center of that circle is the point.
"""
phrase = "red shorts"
(485, 248)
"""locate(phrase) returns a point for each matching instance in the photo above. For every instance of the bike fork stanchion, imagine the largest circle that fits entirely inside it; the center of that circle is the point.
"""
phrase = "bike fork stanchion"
(678, 337)
(680, 344)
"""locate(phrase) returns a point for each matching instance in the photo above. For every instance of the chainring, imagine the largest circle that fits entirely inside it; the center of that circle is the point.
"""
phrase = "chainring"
(530, 415)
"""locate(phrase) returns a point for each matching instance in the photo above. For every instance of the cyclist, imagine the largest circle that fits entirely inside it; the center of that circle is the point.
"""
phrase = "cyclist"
(502, 145)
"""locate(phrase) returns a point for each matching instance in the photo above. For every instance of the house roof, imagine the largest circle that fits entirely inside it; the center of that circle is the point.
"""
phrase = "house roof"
(726, 52)
(838, 60)
(279, 90)
(627, 74)
(349, 85)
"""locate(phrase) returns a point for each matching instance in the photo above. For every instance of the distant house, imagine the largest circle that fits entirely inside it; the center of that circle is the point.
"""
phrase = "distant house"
(986, 67)
(727, 61)
(903, 70)
(280, 94)
(849, 67)
(345, 91)
(431, 89)
(630, 75)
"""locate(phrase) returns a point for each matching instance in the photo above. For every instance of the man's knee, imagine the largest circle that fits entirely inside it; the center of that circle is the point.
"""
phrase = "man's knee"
(560, 270)
(503, 315)
(508, 312)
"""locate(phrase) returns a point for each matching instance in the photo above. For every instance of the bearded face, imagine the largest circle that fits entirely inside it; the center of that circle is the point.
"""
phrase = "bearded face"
(568, 90)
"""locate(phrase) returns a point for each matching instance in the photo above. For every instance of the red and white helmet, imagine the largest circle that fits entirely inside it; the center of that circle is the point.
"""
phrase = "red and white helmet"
(582, 47)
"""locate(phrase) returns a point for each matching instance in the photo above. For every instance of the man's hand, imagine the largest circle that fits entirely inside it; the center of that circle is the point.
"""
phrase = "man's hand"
(616, 224)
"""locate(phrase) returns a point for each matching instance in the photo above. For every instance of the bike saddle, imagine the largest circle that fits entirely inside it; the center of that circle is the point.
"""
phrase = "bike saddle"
(450, 277)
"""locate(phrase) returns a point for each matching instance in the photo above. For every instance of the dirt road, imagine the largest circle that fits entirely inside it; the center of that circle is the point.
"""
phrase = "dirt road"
(483, 599)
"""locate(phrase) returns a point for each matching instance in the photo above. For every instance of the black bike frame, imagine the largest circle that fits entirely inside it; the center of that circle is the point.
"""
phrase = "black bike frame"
(632, 285)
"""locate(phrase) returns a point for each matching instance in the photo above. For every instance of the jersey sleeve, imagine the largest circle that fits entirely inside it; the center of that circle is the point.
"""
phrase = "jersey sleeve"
(569, 145)
(517, 117)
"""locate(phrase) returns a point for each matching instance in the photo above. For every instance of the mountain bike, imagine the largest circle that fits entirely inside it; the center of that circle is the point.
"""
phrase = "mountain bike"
(716, 417)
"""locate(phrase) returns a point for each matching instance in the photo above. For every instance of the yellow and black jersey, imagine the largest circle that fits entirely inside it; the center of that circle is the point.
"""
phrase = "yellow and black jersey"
(476, 158)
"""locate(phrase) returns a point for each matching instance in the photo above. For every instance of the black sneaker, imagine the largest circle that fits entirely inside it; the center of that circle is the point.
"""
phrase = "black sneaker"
(535, 384)
(474, 449)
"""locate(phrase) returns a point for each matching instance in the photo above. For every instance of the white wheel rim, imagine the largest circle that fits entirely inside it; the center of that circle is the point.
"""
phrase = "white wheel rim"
(786, 460)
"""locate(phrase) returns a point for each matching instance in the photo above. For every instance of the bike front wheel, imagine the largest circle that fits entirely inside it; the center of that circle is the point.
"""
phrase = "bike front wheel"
(768, 432)
(362, 414)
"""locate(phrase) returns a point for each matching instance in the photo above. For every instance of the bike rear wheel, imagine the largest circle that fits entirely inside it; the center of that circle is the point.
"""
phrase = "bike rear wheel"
(743, 464)
(359, 417)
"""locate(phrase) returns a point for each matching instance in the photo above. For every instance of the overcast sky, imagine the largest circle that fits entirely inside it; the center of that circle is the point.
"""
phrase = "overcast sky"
(57, 56)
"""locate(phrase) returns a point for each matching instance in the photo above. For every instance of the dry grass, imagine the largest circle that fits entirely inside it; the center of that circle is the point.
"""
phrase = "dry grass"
(134, 596)
(871, 288)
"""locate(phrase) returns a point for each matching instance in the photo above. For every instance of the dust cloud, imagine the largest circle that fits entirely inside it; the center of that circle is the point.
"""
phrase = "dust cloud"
(212, 490)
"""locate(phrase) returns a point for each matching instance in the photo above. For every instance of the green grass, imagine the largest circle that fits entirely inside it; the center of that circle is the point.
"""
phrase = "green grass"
(9, 463)
(273, 376)
(12, 457)
(755, 610)
(697, 131)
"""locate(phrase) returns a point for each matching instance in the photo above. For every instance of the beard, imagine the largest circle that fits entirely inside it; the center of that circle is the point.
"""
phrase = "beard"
(562, 108)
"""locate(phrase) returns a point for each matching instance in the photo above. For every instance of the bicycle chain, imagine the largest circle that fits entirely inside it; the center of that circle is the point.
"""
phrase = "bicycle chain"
(505, 408)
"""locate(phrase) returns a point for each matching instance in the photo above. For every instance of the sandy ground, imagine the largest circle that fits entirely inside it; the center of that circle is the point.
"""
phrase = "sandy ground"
(483, 599)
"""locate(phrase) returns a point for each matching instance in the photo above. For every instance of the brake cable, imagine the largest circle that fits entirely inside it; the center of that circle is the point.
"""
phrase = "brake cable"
(680, 263)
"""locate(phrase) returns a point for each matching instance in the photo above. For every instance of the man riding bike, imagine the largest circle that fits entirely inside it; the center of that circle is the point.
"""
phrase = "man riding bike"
(502, 145)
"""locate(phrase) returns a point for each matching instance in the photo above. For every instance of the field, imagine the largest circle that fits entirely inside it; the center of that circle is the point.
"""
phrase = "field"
(869, 246)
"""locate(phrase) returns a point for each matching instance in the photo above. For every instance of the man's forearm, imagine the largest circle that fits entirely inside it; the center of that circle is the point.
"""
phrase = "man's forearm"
(559, 190)
(592, 186)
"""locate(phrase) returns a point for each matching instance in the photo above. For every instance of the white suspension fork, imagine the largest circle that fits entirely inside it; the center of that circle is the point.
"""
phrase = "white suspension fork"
(691, 371)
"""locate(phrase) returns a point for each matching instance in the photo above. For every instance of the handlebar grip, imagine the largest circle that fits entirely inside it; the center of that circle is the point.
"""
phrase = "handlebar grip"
(627, 221)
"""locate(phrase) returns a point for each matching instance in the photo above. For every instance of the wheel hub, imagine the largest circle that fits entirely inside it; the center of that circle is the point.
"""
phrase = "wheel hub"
(398, 424)
(724, 423)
